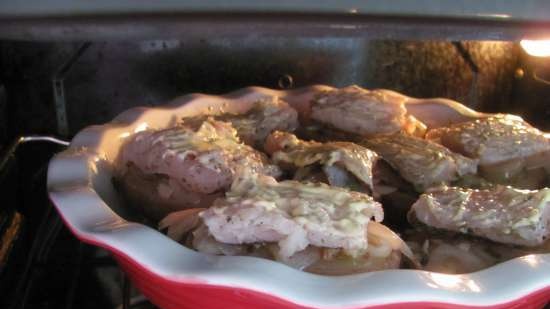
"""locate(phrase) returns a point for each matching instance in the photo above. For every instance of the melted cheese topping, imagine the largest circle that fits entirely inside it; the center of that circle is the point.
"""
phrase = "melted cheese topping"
(204, 160)
(212, 136)
(294, 214)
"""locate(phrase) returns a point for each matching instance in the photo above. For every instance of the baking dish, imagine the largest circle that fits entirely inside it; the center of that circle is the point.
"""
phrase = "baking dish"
(173, 276)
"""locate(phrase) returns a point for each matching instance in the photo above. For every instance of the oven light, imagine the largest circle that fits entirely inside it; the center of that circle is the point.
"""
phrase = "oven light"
(537, 48)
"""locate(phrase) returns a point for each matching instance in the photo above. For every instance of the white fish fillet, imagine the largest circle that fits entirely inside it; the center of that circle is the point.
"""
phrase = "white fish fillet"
(423, 163)
(492, 140)
(501, 214)
(292, 214)
(364, 112)
(204, 160)
(335, 157)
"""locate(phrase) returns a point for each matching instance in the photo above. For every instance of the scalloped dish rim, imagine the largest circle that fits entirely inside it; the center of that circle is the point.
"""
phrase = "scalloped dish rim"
(80, 188)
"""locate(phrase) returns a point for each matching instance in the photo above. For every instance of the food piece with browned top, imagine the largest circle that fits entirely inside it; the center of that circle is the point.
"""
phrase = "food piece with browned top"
(501, 214)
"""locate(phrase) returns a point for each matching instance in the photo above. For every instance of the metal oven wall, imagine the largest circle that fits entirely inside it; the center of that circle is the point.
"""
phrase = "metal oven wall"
(108, 78)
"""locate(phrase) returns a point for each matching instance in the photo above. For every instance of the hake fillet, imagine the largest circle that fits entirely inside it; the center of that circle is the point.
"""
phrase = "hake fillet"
(493, 139)
(501, 214)
(292, 214)
(363, 112)
(421, 162)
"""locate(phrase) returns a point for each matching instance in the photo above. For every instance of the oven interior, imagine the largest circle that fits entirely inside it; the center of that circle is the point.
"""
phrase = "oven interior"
(56, 88)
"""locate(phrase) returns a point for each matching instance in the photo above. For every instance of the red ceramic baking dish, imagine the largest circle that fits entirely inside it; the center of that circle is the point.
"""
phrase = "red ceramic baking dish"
(173, 276)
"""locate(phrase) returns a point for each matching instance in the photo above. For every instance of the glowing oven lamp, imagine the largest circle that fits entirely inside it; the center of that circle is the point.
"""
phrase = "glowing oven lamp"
(537, 48)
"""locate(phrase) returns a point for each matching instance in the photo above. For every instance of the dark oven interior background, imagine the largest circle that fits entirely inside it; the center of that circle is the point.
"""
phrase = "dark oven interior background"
(100, 80)
(59, 88)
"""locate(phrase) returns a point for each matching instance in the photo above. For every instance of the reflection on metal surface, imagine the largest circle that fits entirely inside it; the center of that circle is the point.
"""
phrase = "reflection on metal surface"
(452, 282)
(497, 16)
(59, 90)
(537, 48)
(343, 26)
(539, 76)
(465, 54)
(38, 138)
